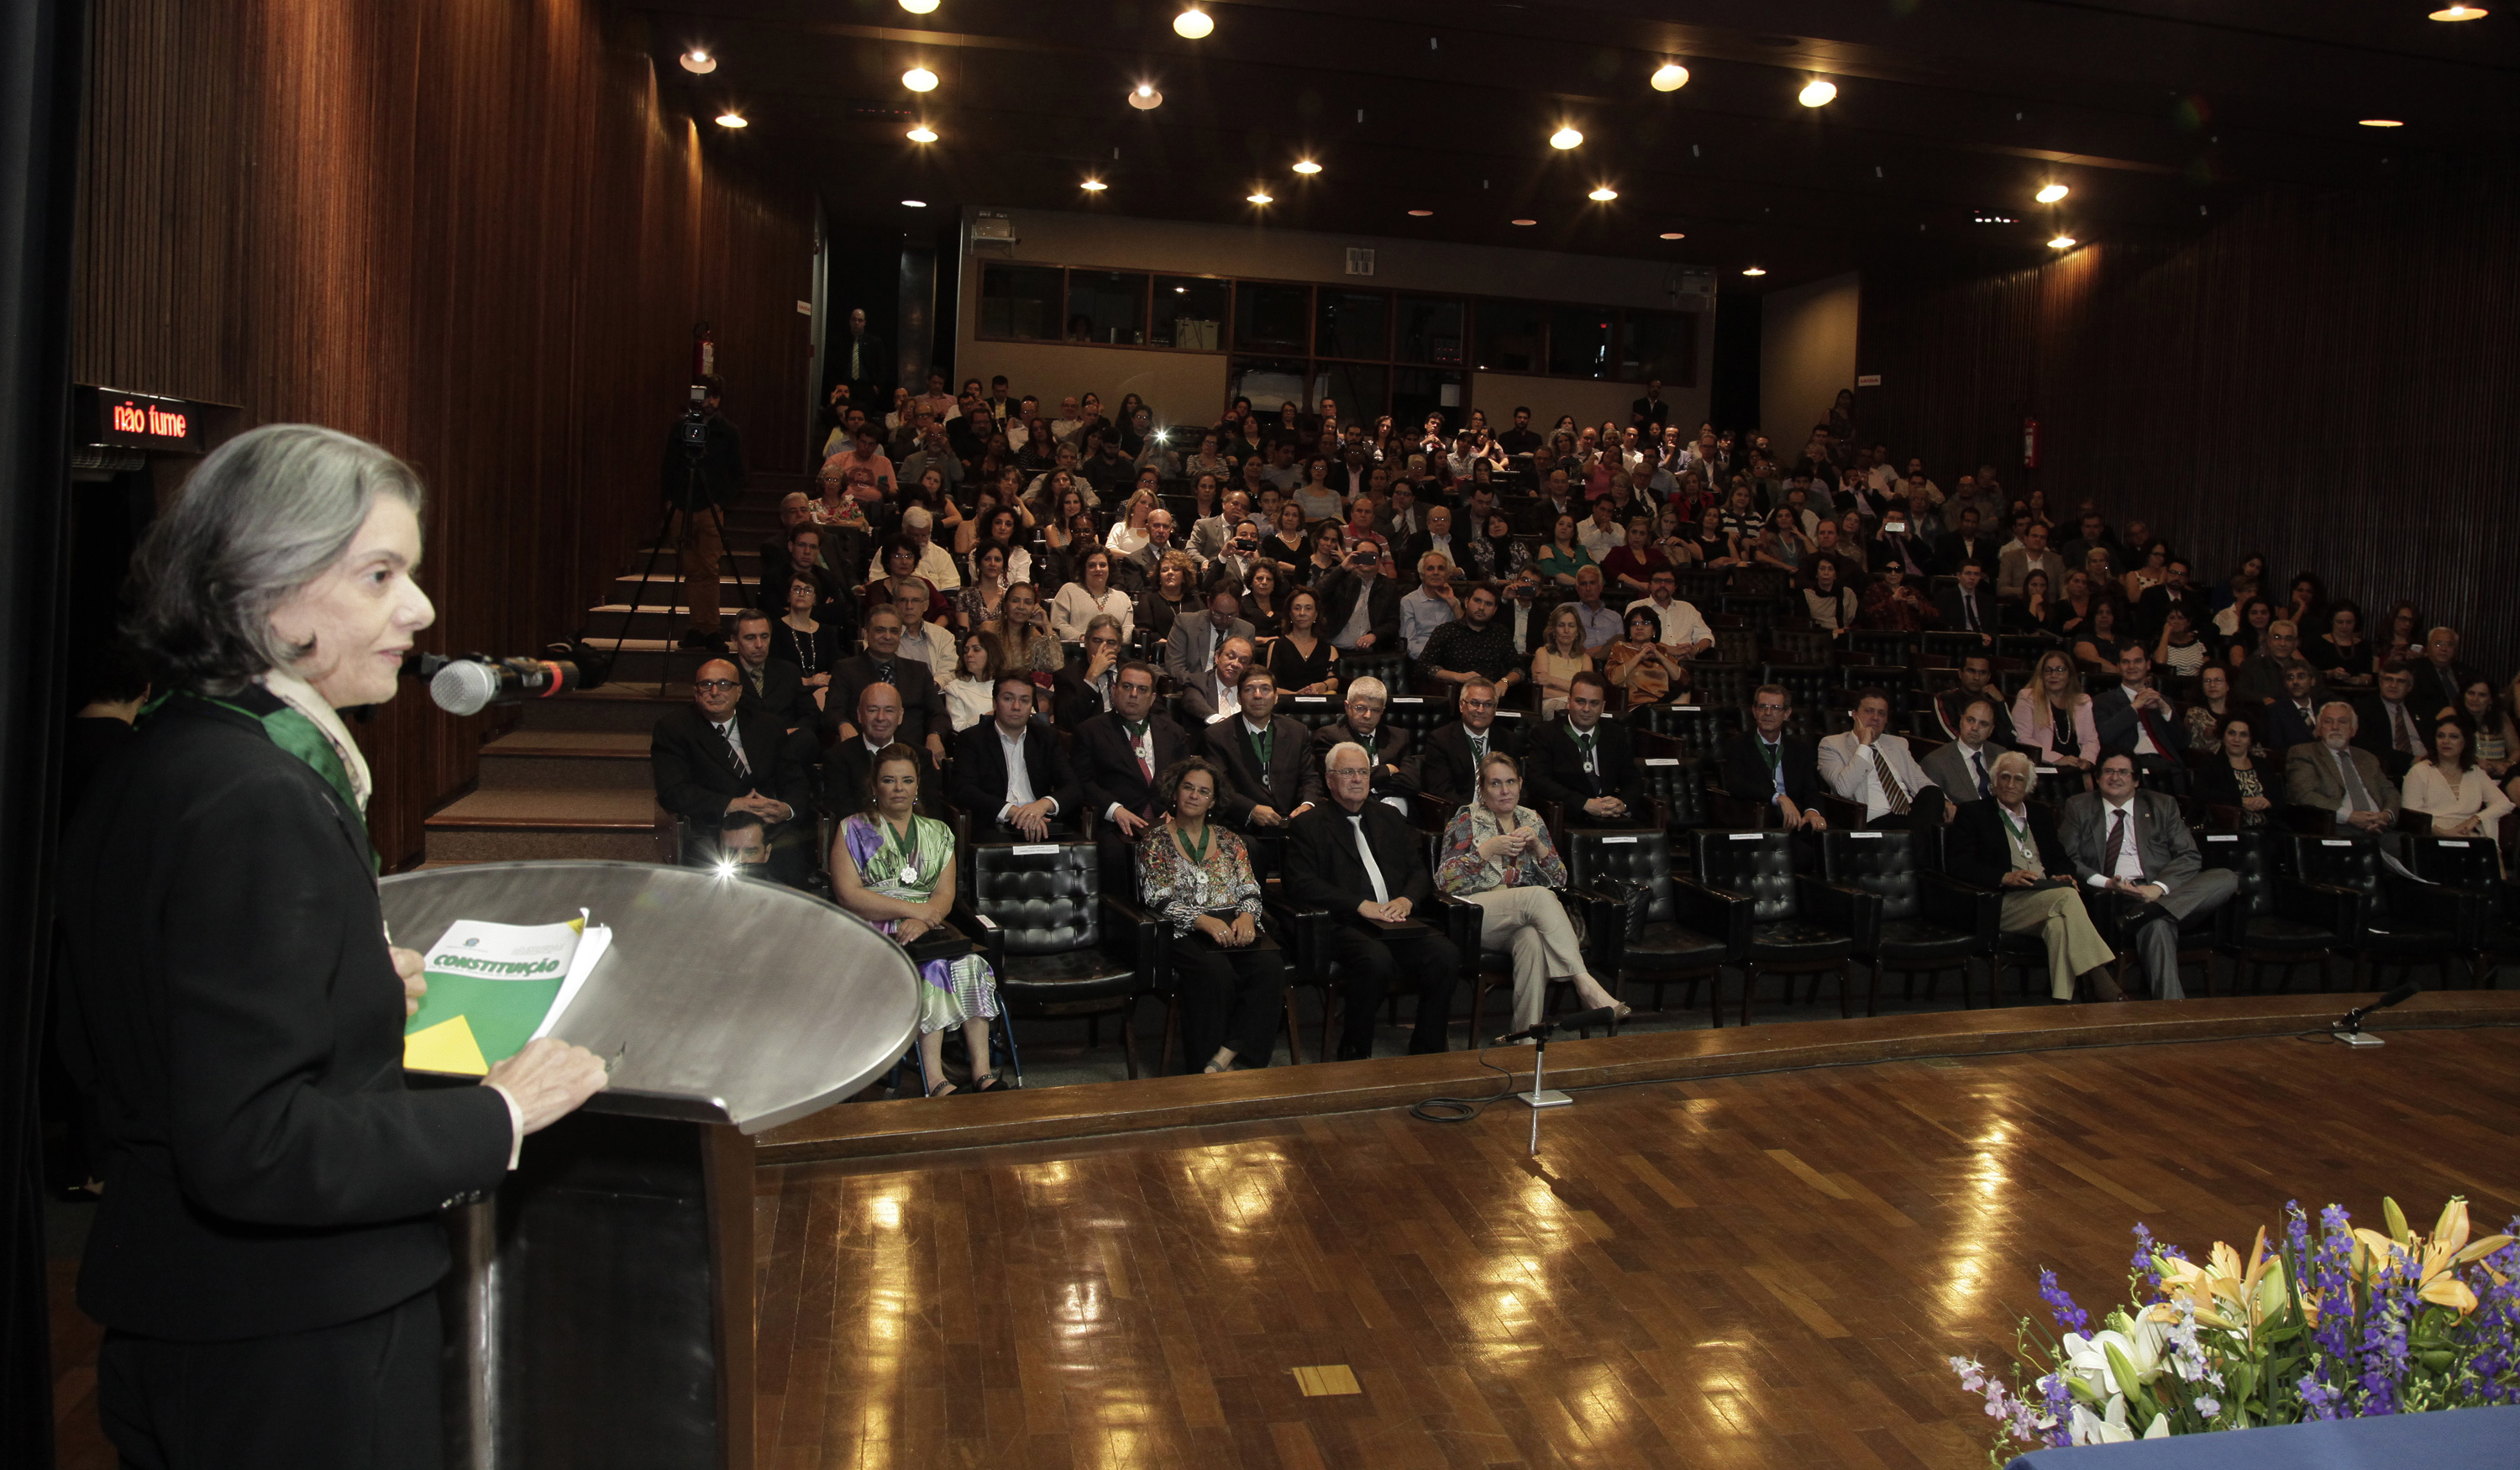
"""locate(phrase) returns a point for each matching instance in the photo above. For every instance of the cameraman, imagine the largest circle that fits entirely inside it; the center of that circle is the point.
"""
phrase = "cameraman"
(703, 472)
(1361, 607)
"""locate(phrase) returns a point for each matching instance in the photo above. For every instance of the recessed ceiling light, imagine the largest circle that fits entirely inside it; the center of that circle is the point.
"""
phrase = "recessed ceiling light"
(1144, 98)
(913, 204)
(1193, 23)
(1818, 92)
(1093, 186)
(1754, 270)
(2382, 122)
(2063, 242)
(1524, 222)
(731, 119)
(698, 61)
(1565, 136)
(919, 79)
(1180, 290)
(1258, 199)
(1307, 165)
(920, 6)
(1421, 214)
(1603, 195)
(1670, 77)
(921, 134)
(2052, 193)
(2459, 13)
(1673, 235)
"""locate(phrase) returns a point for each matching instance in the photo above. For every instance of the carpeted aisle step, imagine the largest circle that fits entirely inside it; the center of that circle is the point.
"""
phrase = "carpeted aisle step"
(511, 824)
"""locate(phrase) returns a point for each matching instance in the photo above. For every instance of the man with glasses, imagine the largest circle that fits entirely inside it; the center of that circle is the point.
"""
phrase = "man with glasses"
(1448, 770)
(1392, 763)
(1766, 765)
(2003, 843)
(1364, 863)
(713, 756)
(1119, 755)
(1083, 689)
(2134, 846)
(1268, 760)
(923, 718)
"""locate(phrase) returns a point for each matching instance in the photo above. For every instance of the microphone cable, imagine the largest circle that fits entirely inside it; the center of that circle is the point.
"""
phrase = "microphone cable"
(1463, 1109)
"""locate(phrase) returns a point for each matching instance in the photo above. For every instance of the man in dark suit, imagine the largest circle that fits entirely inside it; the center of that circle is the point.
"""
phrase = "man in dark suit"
(1969, 608)
(2137, 716)
(804, 559)
(2094, 535)
(1963, 767)
(1582, 760)
(1083, 689)
(1217, 690)
(1448, 762)
(1360, 606)
(2292, 717)
(2135, 844)
(1771, 767)
(2439, 677)
(850, 762)
(861, 360)
(1394, 769)
(1119, 755)
(1967, 544)
(2152, 609)
(1009, 774)
(773, 686)
(714, 755)
(796, 508)
(1977, 682)
(1364, 863)
(1271, 777)
(2388, 724)
(2006, 844)
(924, 721)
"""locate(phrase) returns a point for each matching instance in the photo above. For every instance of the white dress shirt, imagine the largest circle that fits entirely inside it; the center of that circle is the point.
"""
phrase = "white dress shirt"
(1020, 790)
(1681, 624)
(2128, 860)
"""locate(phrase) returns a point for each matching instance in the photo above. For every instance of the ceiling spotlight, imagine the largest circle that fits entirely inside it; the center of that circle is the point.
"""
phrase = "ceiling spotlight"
(1673, 235)
(1307, 165)
(1258, 199)
(2460, 13)
(921, 134)
(1193, 23)
(1754, 270)
(698, 61)
(731, 119)
(919, 79)
(1421, 213)
(1670, 77)
(913, 204)
(2052, 193)
(1565, 136)
(2382, 122)
(920, 6)
(2063, 242)
(1523, 221)
(1818, 92)
(1145, 99)
(1603, 195)
(1093, 186)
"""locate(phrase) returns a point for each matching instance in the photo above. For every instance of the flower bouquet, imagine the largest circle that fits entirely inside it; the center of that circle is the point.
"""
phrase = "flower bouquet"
(2354, 1323)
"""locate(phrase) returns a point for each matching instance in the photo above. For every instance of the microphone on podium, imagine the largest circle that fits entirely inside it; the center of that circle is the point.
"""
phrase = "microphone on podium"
(1581, 1021)
(466, 684)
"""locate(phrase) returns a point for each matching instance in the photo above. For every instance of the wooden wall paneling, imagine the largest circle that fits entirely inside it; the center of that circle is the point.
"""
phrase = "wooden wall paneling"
(2331, 381)
(467, 230)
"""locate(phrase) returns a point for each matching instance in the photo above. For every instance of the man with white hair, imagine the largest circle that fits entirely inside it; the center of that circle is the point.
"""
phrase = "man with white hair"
(2003, 842)
(1431, 606)
(1364, 863)
(922, 640)
(2340, 777)
(934, 562)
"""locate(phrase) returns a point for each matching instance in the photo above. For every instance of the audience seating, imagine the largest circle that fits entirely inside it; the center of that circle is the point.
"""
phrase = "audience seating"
(1799, 924)
(2393, 921)
(1059, 944)
(1929, 922)
(1648, 923)
(2274, 919)
(2470, 865)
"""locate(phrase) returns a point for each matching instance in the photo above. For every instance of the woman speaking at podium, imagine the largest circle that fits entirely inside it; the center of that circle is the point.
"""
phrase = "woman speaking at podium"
(266, 1254)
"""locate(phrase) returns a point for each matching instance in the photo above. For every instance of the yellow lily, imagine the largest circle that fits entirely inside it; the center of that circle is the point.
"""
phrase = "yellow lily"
(2227, 1294)
(2432, 1261)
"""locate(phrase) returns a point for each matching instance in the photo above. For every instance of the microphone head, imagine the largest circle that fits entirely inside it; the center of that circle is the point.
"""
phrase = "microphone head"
(465, 686)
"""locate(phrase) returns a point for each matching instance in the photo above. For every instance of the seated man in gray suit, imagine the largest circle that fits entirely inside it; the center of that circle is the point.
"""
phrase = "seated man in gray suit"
(2133, 843)
(1191, 648)
(1867, 766)
(1964, 768)
(1216, 689)
(2340, 777)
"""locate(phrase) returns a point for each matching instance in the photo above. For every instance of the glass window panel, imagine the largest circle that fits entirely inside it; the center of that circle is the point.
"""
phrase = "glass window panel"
(1190, 313)
(1271, 317)
(1417, 393)
(1268, 382)
(1660, 345)
(1107, 307)
(1353, 324)
(1356, 389)
(1431, 330)
(1579, 340)
(1020, 301)
(1510, 334)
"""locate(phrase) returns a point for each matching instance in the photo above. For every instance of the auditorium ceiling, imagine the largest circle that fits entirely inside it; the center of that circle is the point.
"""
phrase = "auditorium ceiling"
(1949, 116)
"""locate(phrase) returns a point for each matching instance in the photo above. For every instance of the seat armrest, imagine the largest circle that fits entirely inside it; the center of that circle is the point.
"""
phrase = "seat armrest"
(1851, 910)
(1132, 932)
(1460, 921)
(1303, 930)
(1717, 912)
(986, 933)
(2329, 906)
(1963, 906)
(2461, 911)
(1605, 915)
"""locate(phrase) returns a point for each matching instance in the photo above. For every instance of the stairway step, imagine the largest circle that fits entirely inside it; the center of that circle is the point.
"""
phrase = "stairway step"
(577, 760)
(613, 707)
(649, 659)
(613, 619)
(507, 825)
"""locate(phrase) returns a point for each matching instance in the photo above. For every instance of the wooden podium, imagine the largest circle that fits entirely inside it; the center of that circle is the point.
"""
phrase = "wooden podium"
(600, 1307)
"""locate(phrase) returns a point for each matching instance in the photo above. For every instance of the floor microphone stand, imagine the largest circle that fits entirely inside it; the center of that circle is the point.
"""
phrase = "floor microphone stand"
(1538, 1097)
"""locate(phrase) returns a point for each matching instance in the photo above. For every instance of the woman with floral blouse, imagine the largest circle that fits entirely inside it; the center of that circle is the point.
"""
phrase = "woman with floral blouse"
(1230, 978)
(1498, 856)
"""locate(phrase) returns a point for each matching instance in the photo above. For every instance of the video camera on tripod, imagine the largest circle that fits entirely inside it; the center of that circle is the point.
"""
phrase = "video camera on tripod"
(693, 428)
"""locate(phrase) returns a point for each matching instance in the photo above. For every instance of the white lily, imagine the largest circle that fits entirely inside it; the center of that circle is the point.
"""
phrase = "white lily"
(2108, 1428)
(2141, 1346)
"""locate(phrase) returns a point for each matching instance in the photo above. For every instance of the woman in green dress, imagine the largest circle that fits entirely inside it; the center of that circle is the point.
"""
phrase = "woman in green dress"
(894, 868)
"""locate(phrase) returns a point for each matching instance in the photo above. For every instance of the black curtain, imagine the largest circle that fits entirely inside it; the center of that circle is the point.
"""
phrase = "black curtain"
(43, 67)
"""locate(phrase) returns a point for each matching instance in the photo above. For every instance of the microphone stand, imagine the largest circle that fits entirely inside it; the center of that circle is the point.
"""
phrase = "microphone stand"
(1538, 1097)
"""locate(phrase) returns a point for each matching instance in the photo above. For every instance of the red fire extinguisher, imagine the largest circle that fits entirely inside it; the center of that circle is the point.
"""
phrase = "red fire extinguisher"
(703, 351)
(2029, 443)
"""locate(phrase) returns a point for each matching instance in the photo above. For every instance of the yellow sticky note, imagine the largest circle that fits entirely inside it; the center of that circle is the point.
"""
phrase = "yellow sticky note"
(447, 1046)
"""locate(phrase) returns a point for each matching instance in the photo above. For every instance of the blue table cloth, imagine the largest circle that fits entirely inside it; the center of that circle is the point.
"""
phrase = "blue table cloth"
(2455, 1439)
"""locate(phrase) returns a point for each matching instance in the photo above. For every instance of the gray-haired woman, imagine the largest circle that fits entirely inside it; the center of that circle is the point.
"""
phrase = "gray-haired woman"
(266, 1249)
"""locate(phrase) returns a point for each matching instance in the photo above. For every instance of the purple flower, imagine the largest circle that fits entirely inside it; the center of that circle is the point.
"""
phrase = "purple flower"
(2142, 1261)
(2060, 1409)
(2208, 1407)
(2069, 1317)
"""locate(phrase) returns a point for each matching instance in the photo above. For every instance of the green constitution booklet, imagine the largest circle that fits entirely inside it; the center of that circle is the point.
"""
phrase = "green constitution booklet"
(492, 988)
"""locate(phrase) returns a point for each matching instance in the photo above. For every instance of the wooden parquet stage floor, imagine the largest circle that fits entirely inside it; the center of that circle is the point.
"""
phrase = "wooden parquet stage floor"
(1732, 1270)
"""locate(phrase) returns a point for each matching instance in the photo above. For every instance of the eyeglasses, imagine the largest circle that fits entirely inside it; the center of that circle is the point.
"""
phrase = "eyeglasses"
(715, 683)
